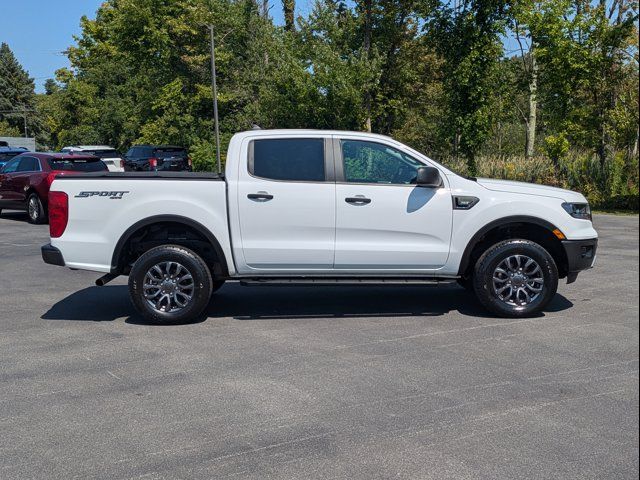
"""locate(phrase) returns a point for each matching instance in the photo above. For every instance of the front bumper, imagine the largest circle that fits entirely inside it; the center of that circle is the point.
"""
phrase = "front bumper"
(52, 255)
(581, 255)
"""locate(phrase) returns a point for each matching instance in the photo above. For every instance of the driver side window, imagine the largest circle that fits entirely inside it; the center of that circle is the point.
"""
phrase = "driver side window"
(370, 162)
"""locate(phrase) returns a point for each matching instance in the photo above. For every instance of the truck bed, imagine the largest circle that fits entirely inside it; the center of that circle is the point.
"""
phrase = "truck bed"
(103, 207)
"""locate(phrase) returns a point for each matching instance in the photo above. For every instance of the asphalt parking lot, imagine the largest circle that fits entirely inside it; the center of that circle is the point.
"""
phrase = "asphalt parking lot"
(335, 382)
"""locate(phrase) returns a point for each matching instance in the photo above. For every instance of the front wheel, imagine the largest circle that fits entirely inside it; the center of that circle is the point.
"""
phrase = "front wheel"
(170, 284)
(515, 278)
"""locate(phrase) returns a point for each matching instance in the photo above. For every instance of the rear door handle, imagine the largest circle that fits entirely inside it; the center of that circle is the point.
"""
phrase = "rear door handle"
(260, 196)
(359, 200)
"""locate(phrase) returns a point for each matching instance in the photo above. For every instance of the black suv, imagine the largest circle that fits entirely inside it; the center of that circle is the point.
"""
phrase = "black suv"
(156, 158)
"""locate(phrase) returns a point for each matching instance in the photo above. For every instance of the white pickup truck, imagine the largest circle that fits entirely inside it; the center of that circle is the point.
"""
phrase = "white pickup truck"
(319, 207)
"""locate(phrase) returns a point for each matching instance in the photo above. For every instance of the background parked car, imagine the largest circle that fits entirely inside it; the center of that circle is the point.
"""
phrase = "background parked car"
(25, 180)
(7, 153)
(110, 156)
(157, 158)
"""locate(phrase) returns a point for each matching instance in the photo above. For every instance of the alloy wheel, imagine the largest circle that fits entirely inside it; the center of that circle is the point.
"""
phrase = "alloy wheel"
(518, 280)
(168, 287)
(34, 208)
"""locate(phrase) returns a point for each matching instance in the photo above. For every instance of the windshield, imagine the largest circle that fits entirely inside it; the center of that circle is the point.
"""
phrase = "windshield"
(77, 164)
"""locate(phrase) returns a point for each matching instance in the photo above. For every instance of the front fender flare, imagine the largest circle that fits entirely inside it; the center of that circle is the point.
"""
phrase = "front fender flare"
(480, 234)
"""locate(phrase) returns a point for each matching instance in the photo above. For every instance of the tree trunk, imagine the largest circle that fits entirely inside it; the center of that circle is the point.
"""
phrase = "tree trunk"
(367, 49)
(533, 106)
(289, 9)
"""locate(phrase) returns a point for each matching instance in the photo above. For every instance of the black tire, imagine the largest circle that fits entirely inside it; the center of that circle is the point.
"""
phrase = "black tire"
(216, 285)
(483, 278)
(36, 212)
(194, 266)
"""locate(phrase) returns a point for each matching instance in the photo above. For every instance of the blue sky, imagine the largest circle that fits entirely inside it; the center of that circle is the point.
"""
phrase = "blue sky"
(38, 31)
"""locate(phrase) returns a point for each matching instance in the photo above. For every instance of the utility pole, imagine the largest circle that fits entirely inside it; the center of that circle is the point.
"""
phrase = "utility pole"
(214, 88)
(24, 112)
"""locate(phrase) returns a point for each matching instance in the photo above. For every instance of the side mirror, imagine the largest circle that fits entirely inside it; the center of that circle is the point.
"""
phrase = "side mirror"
(428, 177)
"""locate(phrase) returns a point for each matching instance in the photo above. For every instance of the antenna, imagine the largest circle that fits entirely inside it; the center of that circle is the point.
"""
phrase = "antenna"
(214, 87)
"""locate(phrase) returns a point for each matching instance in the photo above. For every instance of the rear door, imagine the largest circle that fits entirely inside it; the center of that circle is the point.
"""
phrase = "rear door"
(286, 204)
(138, 157)
(7, 193)
(385, 223)
(20, 180)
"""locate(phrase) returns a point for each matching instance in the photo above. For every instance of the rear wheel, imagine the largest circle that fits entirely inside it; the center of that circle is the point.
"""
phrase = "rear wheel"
(170, 284)
(515, 278)
(35, 210)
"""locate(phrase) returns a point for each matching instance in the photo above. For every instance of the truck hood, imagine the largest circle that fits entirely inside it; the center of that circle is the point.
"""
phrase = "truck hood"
(531, 189)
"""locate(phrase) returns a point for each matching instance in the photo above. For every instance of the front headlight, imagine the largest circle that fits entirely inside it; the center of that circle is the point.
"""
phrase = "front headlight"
(578, 210)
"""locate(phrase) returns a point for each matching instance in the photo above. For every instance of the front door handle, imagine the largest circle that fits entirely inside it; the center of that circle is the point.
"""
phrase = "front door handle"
(260, 196)
(358, 200)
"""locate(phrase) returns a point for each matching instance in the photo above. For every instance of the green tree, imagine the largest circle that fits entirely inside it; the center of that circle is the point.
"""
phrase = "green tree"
(467, 36)
(289, 10)
(584, 51)
(17, 94)
(7, 130)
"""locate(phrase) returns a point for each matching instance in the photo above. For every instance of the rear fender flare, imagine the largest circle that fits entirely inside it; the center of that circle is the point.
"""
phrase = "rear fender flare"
(204, 231)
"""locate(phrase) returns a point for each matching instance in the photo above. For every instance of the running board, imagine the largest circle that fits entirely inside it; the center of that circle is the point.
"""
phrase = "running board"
(252, 282)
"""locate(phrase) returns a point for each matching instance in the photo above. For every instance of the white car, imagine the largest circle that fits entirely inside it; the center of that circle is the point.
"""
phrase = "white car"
(109, 155)
(319, 207)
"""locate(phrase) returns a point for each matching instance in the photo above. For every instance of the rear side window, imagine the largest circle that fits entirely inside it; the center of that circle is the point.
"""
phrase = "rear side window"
(77, 164)
(28, 164)
(294, 159)
(136, 152)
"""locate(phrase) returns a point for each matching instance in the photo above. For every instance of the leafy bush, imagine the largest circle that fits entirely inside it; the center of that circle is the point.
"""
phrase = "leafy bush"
(612, 185)
(556, 147)
(203, 156)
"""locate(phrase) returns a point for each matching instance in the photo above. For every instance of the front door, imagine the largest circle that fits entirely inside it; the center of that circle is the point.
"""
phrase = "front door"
(286, 205)
(8, 195)
(385, 223)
